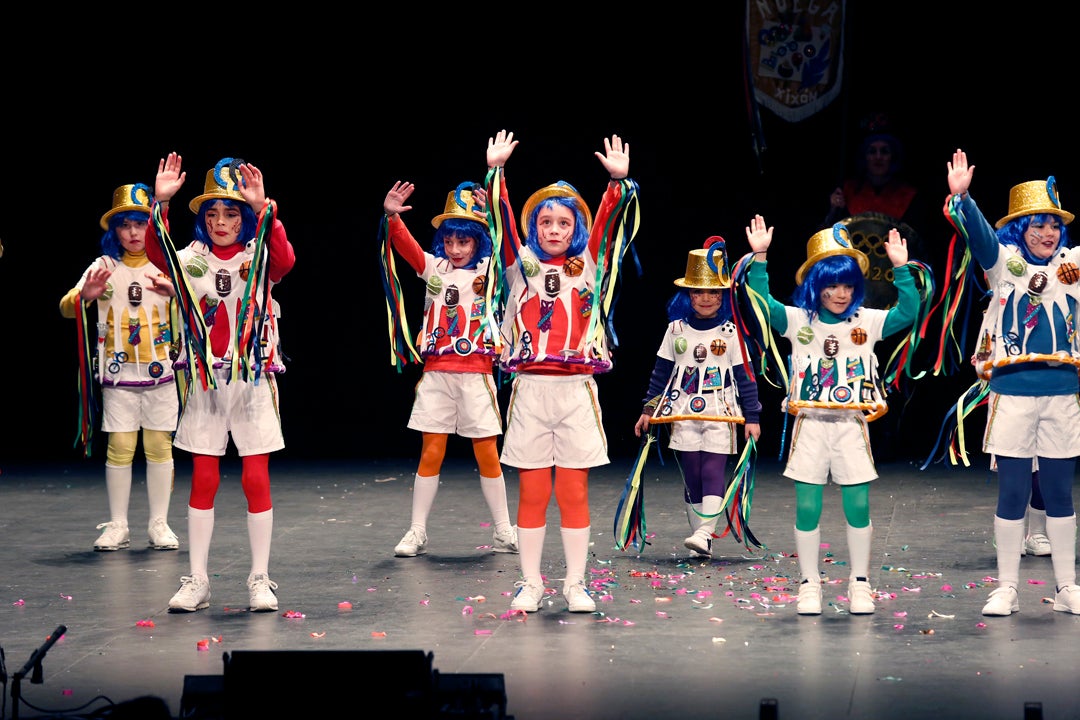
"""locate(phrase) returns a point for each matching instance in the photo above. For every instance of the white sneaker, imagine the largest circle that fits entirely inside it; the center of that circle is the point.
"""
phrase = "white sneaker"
(194, 594)
(700, 542)
(810, 598)
(414, 543)
(505, 541)
(161, 536)
(261, 593)
(1067, 599)
(528, 597)
(1003, 601)
(116, 536)
(1037, 544)
(577, 598)
(860, 598)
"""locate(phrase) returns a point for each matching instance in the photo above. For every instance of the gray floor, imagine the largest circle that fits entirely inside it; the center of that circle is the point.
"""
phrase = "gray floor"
(673, 637)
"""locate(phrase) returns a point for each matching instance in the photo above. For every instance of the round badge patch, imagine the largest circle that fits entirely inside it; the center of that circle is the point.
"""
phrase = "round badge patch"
(805, 335)
(463, 346)
(156, 369)
(697, 404)
(841, 394)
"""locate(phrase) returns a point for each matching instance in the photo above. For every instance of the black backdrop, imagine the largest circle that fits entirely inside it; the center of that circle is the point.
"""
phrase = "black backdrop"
(333, 118)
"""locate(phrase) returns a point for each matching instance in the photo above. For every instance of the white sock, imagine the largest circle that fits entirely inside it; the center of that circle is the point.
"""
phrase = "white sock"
(200, 531)
(576, 550)
(118, 487)
(859, 540)
(530, 551)
(808, 547)
(1061, 531)
(159, 487)
(260, 531)
(1009, 538)
(424, 491)
(494, 490)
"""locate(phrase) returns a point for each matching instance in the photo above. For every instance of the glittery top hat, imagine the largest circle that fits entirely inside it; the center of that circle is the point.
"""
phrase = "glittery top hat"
(705, 268)
(128, 198)
(221, 183)
(829, 242)
(1035, 198)
(558, 189)
(462, 204)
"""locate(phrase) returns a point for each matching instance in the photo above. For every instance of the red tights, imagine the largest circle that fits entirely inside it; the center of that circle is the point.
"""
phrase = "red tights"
(254, 479)
(571, 493)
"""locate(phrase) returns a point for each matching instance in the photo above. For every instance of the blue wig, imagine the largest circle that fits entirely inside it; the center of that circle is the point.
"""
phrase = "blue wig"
(679, 306)
(250, 221)
(467, 229)
(110, 244)
(831, 270)
(578, 242)
(1012, 233)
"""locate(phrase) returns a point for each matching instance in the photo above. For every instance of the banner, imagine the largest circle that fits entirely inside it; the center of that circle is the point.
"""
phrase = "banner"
(795, 54)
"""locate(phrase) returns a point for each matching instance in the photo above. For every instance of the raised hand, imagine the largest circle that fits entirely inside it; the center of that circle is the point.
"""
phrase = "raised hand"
(896, 248)
(758, 234)
(615, 158)
(170, 178)
(500, 148)
(252, 188)
(960, 173)
(394, 202)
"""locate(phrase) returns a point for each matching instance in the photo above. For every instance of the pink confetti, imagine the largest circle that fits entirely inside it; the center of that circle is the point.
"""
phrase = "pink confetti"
(65, 597)
(318, 635)
(378, 634)
(980, 624)
(293, 614)
(425, 602)
(946, 588)
(346, 605)
(902, 613)
(481, 632)
(898, 627)
(606, 598)
(203, 646)
(635, 602)
(907, 589)
(144, 623)
(19, 602)
(371, 589)
(661, 613)
(485, 524)
(467, 610)
(1036, 582)
(67, 691)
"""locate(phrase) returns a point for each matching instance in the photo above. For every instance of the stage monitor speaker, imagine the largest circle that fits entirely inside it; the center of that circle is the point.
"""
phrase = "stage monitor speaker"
(327, 683)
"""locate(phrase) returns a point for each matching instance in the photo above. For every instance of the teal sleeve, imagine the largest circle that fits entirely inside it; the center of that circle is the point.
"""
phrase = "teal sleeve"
(757, 277)
(902, 315)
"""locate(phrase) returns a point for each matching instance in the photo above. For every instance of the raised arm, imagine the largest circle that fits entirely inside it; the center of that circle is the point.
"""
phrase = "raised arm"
(252, 189)
(170, 177)
(759, 236)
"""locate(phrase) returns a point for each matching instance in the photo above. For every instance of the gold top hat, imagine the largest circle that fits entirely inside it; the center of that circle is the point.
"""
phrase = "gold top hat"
(829, 242)
(558, 189)
(1034, 198)
(461, 204)
(221, 184)
(128, 198)
(700, 275)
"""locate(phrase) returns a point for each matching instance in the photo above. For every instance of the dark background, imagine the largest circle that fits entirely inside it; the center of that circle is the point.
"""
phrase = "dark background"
(335, 112)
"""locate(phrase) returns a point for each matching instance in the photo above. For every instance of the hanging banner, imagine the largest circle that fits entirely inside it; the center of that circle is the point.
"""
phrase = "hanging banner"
(796, 54)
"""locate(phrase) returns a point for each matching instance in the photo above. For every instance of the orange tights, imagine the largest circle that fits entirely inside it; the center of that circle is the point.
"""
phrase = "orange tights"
(571, 493)
(434, 450)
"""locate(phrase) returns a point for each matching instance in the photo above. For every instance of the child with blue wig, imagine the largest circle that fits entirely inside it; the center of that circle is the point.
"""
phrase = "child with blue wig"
(457, 393)
(1030, 350)
(834, 390)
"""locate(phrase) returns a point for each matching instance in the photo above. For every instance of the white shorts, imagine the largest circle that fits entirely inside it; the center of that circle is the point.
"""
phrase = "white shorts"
(247, 412)
(707, 435)
(830, 443)
(1021, 426)
(451, 403)
(130, 409)
(554, 420)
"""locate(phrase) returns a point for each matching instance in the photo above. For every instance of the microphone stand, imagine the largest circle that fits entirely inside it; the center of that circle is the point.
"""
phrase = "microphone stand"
(33, 665)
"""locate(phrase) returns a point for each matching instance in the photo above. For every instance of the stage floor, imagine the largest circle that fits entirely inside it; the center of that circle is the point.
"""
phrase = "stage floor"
(672, 637)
